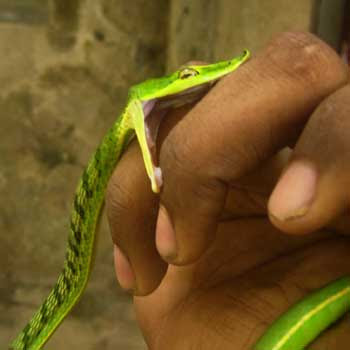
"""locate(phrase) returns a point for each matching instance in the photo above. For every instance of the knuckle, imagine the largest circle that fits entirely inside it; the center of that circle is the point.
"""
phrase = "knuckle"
(182, 170)
(304, 57)
(119, 202)
(173, 157)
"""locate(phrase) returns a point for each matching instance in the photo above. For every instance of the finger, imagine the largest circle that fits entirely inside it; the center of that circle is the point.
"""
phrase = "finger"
(243, 120)
(131, 210)
(315, 188)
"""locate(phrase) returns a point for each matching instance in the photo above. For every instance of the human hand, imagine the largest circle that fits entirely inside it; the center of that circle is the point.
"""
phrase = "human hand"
(232, 271)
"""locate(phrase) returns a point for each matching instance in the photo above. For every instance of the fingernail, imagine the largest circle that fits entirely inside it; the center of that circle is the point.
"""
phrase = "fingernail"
(294, 192)
(165, 236)
(124, 272)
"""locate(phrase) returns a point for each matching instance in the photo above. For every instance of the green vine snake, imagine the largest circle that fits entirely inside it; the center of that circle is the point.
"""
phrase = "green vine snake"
(292, 331)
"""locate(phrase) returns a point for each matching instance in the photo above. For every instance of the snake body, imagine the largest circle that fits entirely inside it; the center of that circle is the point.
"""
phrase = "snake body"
(86, 209)
(89, 197)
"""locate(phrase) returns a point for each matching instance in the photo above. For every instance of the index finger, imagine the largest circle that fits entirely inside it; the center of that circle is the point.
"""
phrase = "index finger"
(245, 119)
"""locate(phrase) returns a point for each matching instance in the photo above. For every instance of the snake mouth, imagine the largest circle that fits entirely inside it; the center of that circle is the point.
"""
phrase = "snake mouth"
(185, 97)
(182, 98)
(155, 110)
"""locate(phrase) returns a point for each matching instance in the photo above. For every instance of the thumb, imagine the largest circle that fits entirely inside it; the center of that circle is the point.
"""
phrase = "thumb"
(243, 120)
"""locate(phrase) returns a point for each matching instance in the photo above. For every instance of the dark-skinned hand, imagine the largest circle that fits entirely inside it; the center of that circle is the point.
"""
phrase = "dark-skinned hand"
(244, 226)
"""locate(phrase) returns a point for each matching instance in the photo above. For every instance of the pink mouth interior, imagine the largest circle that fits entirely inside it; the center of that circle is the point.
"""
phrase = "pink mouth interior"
(154, 111)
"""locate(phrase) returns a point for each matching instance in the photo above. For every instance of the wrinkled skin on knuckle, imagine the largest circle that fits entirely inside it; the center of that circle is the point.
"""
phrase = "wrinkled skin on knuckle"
(303, 57)
(238, 156)
(119, 203)
(174, 157)
(183, 167)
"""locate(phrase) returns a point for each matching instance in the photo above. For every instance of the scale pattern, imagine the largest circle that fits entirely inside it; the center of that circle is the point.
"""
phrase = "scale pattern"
(87, 205)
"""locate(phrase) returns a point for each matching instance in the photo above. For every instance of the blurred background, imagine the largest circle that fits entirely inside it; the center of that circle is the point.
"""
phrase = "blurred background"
(65, 67)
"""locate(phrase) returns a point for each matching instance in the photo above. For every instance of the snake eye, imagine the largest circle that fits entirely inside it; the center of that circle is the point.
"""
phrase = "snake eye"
(187, 73)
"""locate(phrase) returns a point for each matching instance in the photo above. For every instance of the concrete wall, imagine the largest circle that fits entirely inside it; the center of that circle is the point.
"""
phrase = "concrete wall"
(65, 67)
(212, 30)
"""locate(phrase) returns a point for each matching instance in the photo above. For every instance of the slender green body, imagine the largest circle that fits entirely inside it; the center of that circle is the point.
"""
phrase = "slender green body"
(304, 321)
(77, 265)
(89, 197)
